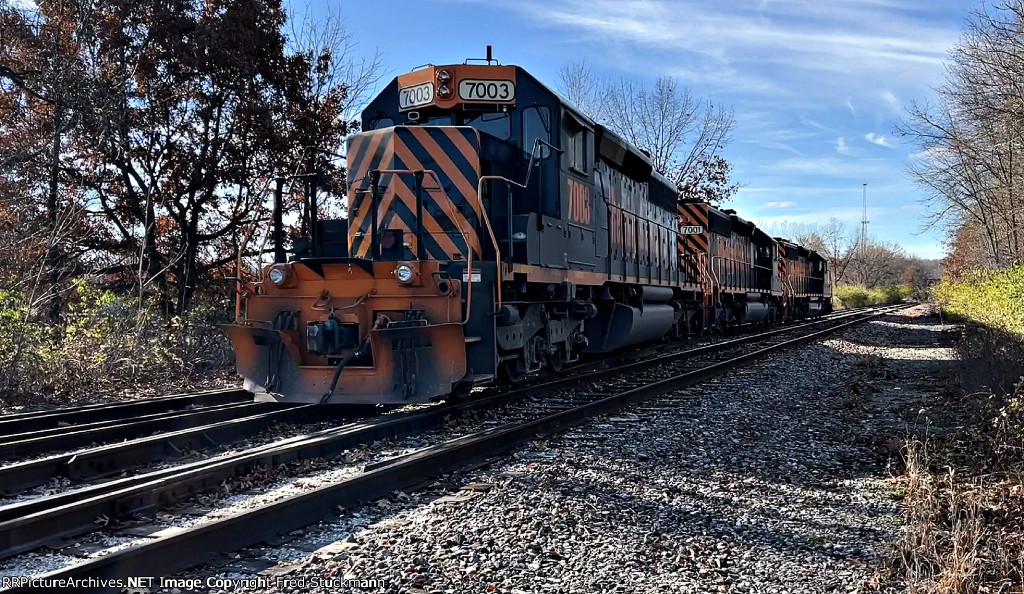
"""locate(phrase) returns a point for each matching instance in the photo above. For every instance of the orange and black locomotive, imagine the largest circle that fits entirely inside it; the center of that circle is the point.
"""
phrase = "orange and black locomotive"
(493, 231)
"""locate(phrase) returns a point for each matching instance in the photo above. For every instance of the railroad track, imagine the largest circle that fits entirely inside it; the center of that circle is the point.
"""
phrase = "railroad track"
(127, 427)
(47, 419)
(542, 410)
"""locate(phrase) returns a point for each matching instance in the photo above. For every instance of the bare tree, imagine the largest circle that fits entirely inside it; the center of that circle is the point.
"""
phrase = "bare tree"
(682, 134)
(40, 84)
(576, 80)
(836, 243)
(325, 38)
(971, 140)
(920, 275)
(668, 122)
(164, 122)
(877, 264)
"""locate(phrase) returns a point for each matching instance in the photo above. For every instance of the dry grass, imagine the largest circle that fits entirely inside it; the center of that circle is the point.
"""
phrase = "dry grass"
(107, 347)
(963, 485)
(962, 535)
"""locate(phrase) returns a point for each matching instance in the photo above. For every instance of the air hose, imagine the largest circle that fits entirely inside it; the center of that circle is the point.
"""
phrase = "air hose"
(355, 354)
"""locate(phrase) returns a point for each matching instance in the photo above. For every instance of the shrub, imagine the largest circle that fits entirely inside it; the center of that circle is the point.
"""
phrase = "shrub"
(855, 296)
(850, 296)
(993, 298)
(992, 345)
(107, 344)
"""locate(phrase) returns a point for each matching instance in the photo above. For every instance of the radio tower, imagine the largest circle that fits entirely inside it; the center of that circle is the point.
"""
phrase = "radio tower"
(864, 219)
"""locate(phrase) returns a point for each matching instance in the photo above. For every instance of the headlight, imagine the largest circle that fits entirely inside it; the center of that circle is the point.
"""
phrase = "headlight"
(277, 275)
(443, 76)
(403, 272)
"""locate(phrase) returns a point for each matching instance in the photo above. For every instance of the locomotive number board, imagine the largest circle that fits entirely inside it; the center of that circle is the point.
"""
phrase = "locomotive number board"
(416, 95)
(691, 230)
(491, 91)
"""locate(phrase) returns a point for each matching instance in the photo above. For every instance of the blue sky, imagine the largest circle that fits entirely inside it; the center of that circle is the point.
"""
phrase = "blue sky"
(816, 85)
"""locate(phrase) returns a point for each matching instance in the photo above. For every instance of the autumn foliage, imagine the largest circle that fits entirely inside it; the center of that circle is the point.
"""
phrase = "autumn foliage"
(138, 140)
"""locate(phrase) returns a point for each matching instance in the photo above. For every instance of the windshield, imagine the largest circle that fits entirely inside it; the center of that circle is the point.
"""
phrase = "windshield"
(495, 124)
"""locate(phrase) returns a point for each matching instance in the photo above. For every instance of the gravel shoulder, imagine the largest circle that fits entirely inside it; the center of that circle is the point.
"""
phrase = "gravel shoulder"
(775, 478)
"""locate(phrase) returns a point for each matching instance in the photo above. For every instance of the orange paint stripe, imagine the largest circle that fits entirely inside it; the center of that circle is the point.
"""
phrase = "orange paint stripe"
(429, 144)
(429, 225)
(355, 144)
(697, 215)
(398, 183)
(360, 181)
(368, 160)
(469, 152)
(403, 153)
(391, 181)
(458, 138)
(472, 239)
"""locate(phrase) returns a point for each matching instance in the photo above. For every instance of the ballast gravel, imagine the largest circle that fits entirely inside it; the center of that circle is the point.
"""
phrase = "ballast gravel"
(773, 479)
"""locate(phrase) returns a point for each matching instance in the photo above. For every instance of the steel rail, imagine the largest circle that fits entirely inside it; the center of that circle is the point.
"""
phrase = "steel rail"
(649, 356)
(74, 437)
(45, 419)
(41, 433)
(106, 460)
(184, 549)
(162, 488)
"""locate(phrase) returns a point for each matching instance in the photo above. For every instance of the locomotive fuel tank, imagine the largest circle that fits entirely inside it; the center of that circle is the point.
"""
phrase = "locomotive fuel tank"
(753, 312)
(649, 294)
(623, 325)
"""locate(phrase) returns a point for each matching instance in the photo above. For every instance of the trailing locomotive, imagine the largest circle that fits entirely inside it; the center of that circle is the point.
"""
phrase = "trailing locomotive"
(493, 231)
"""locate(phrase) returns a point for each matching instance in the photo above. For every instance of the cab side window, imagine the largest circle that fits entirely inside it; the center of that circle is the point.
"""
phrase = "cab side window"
(536, 125)
(577, 145)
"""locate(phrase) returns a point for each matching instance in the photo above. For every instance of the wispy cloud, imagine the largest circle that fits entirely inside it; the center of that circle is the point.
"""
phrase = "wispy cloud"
(890, 99)
(807, 80)
(786, 45)
(877, 139)
(846, 214)
(782, 204)
(834, 168)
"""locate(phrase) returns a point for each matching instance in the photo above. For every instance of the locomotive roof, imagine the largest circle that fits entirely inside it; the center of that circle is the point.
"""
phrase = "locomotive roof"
(619, 152)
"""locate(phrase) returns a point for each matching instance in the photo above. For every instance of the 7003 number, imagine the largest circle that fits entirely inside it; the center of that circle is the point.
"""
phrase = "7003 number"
(487, 90)
(415, 96)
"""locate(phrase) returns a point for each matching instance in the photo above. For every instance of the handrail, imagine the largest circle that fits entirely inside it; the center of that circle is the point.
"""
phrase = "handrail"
(736, 261)
(447, 205)
(487, 221)
(483, 214)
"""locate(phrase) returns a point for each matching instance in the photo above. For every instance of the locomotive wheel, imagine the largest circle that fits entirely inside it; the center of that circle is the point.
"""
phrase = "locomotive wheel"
(513, 370)
(556, 360)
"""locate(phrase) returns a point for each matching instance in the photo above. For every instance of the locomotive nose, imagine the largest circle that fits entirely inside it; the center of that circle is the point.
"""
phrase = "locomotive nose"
(388, 341)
